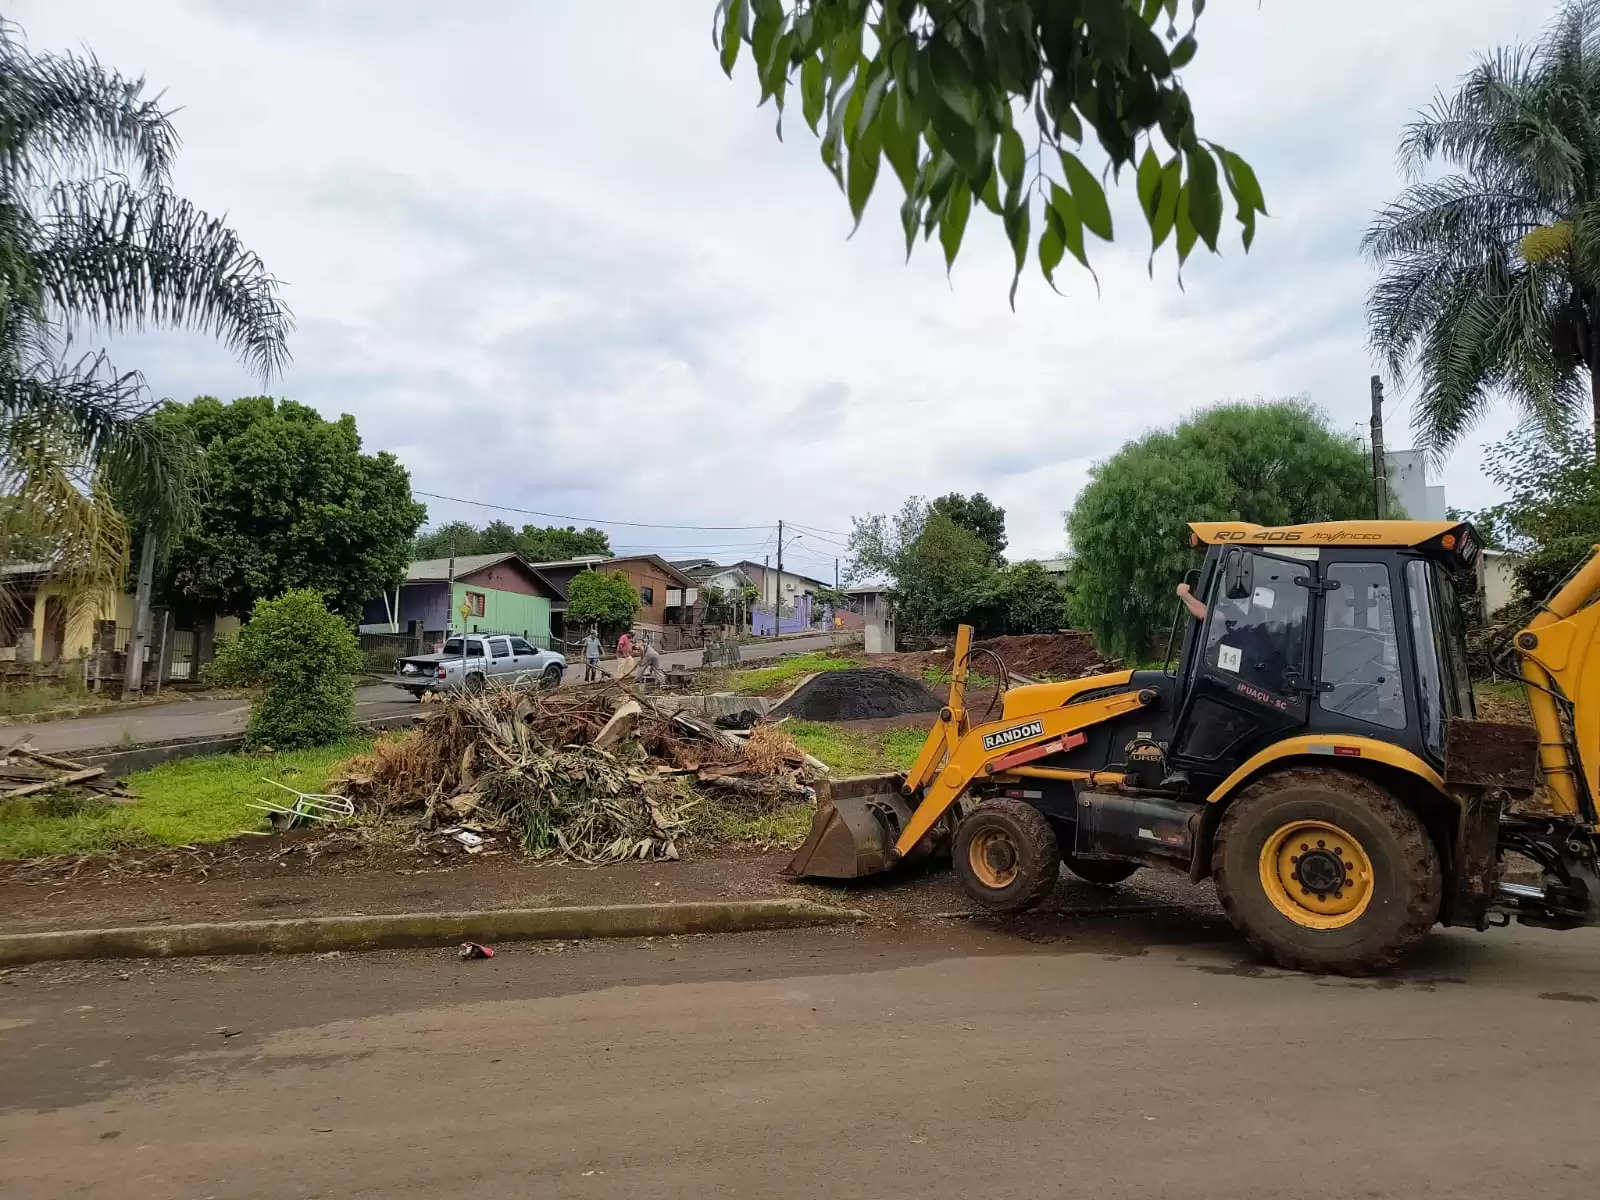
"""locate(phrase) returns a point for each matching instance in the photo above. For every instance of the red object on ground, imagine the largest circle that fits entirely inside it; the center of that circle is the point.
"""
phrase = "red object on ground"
(474, 950)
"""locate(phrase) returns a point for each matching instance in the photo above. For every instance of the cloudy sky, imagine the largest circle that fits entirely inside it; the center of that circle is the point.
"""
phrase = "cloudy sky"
(551, 258)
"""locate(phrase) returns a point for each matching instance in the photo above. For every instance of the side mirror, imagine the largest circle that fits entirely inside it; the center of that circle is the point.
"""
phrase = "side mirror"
(1239, 578)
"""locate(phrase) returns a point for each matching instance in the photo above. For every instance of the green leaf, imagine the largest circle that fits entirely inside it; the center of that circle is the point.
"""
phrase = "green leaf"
(1051, 245)
(899, 135)
(1149, 180)
(1241, 181)
(863, 173)
(1166, 204)
(764, 34)
(954, 223)
(738, 15)
(811, 90)
(878, 77)
(942, 177)
(1089, 195)
(1016, 223)
(1205, 197)
(910, 219)
(1184, 228)
(991, 194)
(1183, 52)
(1013, 159)
(1066, 211)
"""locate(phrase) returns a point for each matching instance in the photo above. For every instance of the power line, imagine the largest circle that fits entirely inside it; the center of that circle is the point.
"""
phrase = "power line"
(533, 512)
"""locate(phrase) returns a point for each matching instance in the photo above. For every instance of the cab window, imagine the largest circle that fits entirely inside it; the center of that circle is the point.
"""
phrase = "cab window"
(500, 647)
(1259, 639)
(1360, 675)
(1444, 688)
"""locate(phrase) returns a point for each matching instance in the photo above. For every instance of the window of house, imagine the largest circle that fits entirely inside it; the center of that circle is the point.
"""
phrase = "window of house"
(1360, 672)
(647, 596)
(475, 601)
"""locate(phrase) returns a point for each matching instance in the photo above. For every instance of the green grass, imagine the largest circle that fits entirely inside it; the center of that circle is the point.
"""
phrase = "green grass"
(754, 682)
(41, 695)
(853, 752)
(196, 800)
(786, 826)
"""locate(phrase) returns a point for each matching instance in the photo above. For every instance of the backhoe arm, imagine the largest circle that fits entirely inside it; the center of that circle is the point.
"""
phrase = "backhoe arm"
(1560, 657)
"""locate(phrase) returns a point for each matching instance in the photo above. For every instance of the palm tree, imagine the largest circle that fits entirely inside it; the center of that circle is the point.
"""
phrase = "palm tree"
(1490, 277)
(92, 238)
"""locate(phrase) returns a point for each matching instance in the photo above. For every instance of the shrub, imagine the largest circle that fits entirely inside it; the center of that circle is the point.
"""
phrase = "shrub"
(304, 658)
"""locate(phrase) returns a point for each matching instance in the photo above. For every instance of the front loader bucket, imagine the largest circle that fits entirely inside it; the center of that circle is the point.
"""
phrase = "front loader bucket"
(854, 831)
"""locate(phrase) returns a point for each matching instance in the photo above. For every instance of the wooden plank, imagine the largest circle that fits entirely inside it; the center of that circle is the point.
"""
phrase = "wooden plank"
(49, 784)
(49, 760)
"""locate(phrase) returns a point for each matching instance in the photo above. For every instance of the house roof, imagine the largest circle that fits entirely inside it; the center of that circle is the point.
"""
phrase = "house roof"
(788, 572)
(672, 572)
(21, 569)
(437, 570)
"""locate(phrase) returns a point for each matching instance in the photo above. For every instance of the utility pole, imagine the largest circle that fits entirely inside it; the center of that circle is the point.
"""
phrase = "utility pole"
(836, 574)
(777, 591)
(1380, 468)
(133, 671)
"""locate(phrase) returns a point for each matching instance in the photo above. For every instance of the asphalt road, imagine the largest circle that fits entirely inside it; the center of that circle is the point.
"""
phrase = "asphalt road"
(218, 718)
(1137, 1058)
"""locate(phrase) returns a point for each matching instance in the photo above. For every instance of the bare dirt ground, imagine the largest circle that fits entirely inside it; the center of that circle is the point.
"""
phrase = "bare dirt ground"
(309, 875)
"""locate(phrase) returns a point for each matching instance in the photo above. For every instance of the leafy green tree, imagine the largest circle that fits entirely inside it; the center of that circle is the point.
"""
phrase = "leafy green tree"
(1020, 598)
(536, 543)
(930, 560)
(305, 659)
(936, 88)
(1491, 274)
(1274, 464)
(1551, 519)
(93, 239)
(604, 598)
(288, 501)
(979, 515)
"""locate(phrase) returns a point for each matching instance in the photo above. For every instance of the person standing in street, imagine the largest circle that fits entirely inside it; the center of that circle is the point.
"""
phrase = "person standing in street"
(591, 656)
(624, 654)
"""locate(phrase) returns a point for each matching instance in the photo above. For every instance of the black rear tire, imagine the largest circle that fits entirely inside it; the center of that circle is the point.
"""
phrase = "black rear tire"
(1102, 872)
(1006, 857)
(475, 684)
(1343, 812)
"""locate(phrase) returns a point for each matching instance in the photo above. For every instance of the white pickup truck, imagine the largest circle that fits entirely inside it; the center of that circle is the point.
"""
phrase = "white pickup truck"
(487, 656)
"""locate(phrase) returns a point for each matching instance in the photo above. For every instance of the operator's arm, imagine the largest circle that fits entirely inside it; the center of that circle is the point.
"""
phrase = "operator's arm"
(1196, 609)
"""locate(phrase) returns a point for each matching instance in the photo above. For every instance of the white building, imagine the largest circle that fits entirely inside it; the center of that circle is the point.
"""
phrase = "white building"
(1408, 481)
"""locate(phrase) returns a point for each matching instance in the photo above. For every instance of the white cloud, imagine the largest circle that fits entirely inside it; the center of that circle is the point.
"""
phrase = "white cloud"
(552, 258)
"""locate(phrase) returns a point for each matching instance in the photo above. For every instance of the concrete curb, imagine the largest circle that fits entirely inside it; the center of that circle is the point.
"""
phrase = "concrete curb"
(409, 930)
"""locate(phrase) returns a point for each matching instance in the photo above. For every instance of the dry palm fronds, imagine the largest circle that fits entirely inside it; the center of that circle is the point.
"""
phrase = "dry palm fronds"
(769, 749)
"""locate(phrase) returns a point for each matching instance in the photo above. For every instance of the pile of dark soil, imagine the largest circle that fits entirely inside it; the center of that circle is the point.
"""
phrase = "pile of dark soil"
(858, 695)
(1066, 655)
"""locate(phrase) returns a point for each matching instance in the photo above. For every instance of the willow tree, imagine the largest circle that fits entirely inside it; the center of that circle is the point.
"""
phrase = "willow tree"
(1490, 280)
(94, 241)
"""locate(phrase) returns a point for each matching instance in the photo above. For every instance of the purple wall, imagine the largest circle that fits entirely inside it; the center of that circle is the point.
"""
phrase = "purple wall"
(761, 623)
(425, 602)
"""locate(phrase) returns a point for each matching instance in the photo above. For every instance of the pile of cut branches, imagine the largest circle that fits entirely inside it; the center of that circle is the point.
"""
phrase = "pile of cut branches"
(595, 775)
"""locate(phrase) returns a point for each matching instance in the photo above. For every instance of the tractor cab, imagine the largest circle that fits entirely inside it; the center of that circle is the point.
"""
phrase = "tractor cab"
(1337, 628)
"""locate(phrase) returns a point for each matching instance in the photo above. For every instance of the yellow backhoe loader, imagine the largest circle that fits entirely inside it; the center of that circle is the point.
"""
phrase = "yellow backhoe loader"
(1315, 751)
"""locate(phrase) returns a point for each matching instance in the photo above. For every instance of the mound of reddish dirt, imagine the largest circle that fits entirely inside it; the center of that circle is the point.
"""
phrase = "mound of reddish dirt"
(858, 695)
(1066, 655)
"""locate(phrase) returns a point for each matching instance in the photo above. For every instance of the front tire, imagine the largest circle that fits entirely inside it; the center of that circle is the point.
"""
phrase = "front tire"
(551, 677)
(1006, 857)
(1327, 872)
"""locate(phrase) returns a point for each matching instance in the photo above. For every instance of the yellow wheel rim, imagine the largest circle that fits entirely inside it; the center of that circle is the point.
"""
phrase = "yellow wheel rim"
(993, 858)
(1316, 874)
